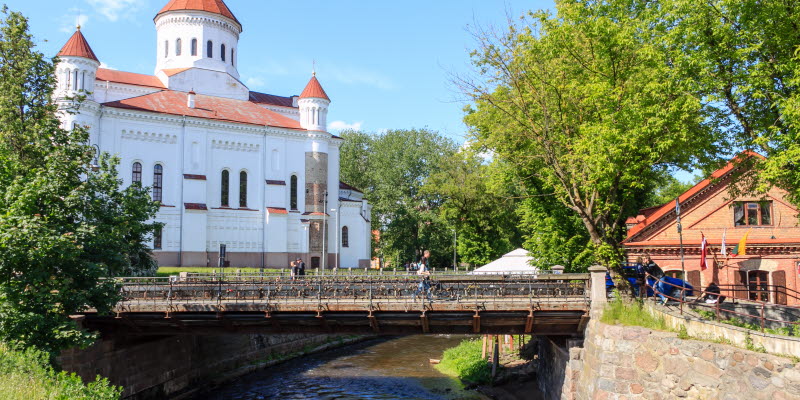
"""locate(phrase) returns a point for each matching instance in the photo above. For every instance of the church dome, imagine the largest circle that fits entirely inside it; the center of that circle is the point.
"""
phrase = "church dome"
(314, 90)
(77, 46)
(210, 6)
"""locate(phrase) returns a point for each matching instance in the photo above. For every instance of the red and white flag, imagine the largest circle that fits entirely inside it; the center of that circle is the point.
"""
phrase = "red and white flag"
(703, 252)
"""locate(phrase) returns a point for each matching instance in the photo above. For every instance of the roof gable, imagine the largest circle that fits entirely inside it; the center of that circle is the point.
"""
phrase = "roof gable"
(128, 78)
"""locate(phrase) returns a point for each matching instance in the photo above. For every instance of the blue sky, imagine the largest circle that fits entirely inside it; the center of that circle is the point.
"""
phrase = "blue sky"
(385, 64)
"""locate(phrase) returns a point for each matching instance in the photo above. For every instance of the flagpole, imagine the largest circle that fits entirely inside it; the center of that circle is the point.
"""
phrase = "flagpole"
(680, 236)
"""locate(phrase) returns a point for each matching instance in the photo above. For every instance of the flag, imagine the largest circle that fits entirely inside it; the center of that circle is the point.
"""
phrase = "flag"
(703, 252)
(740, 249)
(722, 249)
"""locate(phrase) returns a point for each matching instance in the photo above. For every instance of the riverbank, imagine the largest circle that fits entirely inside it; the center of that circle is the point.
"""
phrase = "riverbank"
(28, 375)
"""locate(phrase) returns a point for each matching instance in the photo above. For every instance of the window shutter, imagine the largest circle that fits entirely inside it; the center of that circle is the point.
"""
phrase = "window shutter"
(779, 285)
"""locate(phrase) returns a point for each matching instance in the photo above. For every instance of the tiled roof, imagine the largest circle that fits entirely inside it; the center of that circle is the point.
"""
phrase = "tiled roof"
(271, 99)
(344, 186)
(212, 6)
(128, 78)
(731, 241)
(195, 206)
(77, 46)
(314, 89)
(173, 71)
(277, 210)
(209, 107)
(653, 216)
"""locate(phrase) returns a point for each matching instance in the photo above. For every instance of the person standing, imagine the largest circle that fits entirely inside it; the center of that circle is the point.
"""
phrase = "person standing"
(301, 267)
(293, 269)
(424, 262)
(660, 287)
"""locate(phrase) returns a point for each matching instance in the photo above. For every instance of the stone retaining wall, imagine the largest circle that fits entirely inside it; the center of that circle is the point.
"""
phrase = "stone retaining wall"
(168, 367)
(619, 362)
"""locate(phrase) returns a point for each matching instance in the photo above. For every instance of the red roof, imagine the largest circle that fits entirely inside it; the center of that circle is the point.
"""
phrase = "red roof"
(209, 107)
(314, 89)
(173, 71)
(670, 206)
(211, 6)
(129, 78)
(271, 99)
(277, 210)
(77, 46)
(344, 186)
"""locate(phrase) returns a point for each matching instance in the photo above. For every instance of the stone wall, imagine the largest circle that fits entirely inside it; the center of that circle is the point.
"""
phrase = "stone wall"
(620, 362)
(158, 368)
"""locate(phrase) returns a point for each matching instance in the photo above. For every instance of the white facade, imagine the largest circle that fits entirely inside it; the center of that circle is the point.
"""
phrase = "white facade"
(189, 146)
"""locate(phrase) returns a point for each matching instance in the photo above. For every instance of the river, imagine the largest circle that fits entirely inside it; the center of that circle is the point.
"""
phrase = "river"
(389, 369)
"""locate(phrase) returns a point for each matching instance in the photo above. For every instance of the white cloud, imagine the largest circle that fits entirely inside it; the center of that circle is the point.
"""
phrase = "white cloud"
(255, 82)
(341, 125)
(71, 19)
(113, 9)
(106, 66)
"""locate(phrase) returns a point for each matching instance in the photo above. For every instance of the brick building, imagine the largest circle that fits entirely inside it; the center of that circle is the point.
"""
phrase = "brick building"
(770, 269)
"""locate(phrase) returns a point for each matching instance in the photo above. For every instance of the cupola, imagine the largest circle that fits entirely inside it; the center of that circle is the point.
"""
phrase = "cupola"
(77, 67)
(313, 104)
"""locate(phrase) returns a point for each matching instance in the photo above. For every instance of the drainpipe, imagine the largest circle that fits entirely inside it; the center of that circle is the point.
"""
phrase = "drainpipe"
(264, 199)
(180, 233)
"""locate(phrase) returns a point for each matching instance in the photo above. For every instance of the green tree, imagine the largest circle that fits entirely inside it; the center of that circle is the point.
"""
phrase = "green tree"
(587, 104)
(391, 169)
(741, 57)
(65, 226)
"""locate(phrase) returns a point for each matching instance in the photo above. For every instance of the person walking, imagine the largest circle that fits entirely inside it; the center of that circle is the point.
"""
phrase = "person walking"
(301, 267)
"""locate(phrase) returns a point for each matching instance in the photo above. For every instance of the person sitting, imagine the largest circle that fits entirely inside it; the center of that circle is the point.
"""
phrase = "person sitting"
(711, 295)
(660, 288)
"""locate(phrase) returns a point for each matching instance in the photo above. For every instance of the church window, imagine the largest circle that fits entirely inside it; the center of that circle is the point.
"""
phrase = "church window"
(83, 80)
(222, 51)
(158, 183)
(136, 175)
(345, 237)
(177, 46)
(75, 80)
(224, 197)
(243, 189)
(293, 193)
(209, 49)
(752, 213)
(166, 48)
(157, 238)
(194, 47)
(232, 54)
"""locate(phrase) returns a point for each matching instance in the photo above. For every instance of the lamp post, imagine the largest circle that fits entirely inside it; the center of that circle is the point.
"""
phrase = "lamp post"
(95, 166)
(324, 222)
(338, 237)
(455, 241)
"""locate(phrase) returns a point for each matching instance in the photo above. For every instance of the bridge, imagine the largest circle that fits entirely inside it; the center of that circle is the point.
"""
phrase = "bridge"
(544, 304)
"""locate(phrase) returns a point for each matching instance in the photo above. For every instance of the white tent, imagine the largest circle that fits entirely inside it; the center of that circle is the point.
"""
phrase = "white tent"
(515, 262)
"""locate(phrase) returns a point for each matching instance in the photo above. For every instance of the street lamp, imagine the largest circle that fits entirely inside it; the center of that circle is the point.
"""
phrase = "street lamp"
(95, 165)
(324, 222)
(455, 241)
(338, 238)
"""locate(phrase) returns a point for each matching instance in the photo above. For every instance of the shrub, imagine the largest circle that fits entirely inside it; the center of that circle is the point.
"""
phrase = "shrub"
(464, 361)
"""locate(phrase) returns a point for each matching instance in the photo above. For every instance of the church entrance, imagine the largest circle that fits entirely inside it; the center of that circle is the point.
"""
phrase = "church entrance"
(314, 262)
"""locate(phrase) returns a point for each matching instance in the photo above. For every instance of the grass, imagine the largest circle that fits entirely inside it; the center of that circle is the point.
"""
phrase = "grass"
(632, 313)
(28, 375)
(464, 362)
(793, 330)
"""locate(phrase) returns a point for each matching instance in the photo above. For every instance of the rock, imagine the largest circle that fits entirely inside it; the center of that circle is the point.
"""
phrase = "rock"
(646, 361)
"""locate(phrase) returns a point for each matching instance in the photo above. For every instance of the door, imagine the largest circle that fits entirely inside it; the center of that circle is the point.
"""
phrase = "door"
(757, 285)
(314, 262)
(694, 280)
(779, 285)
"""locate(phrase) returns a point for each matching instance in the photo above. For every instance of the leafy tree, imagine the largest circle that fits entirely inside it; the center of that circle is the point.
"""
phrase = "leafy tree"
(587, 104)
(65, 226)
(741, 57)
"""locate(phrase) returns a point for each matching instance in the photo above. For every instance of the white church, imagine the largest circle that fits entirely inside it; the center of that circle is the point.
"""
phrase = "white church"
(256, 172)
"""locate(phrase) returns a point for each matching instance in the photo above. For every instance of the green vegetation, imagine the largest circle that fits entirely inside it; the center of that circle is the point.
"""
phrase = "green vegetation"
(28, 375)
(793, 330)
(65, 224)
(631, 313)
(464, 361)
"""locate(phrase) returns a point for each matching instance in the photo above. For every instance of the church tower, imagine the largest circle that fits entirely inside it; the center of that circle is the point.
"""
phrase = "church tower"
(313, 106)
(77, 68)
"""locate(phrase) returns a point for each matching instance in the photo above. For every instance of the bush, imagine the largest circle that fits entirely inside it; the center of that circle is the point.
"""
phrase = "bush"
(464, 361)
(28, 375)
(631, 313)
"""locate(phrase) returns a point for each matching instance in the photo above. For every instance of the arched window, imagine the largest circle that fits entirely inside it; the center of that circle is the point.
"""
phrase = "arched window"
(75, 80)
(83, 80)
(136, 175)
(178, 46)
(293, 193)
(243, 189)
(158, 183)
(222, 51)
(224, 198)
(157, 238)
(166, 48)
(194, 47)
(345, 237)
(209, 49)
(232, 54)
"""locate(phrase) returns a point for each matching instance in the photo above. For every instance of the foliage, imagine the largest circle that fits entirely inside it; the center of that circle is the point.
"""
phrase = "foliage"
(464, 361)
(631, 313)
(667, 189)
(64, 226)
(27, 375)
(683, 333)
(585, 106)
(741, 57)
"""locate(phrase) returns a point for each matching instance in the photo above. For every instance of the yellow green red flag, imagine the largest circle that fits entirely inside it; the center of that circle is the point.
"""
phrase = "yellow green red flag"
(740, 249)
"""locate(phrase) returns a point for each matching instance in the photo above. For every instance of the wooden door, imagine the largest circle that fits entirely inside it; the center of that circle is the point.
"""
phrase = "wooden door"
(694, 280)
(739, 280)
(779, 286)
(757, 285)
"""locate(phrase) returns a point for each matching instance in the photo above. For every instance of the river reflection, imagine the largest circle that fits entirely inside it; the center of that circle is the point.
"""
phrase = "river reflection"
(384, 369)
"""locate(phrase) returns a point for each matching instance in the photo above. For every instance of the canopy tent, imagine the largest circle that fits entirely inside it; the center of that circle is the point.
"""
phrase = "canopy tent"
(515, 262)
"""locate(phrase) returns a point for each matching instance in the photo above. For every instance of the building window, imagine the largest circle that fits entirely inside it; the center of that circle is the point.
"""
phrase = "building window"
(194, 47)
(232, 54)
(222, 52)
(177, 46)
(243, 189)
(75, 80)
(158, 183)
(157, 235)
(345, 237)
(136, 176)
(749, 213)
(83, 80)
(209, 49)
(224, 198)
(293, 193)
(166, 48)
